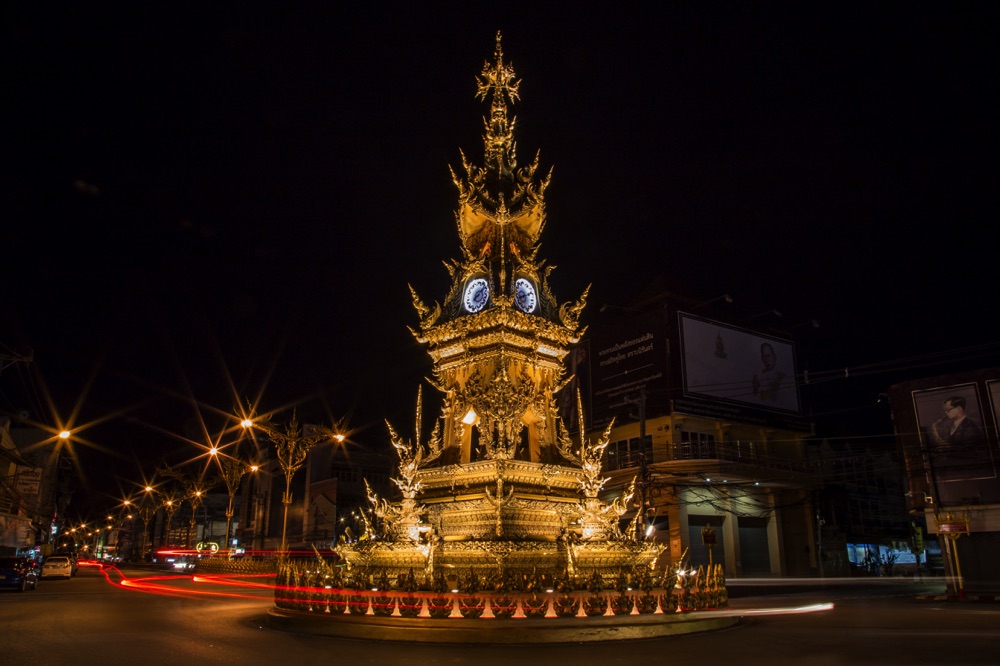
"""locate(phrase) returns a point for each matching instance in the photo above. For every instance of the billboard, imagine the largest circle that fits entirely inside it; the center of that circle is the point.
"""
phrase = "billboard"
(951, 429)
(947, 429)
(737, 366)
(687, 365)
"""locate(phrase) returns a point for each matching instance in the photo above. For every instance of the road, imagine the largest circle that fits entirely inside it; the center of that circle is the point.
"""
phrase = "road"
(90, 620)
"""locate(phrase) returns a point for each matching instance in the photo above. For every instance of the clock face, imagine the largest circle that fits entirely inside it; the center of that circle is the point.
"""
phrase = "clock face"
(477, 292)
(524, 295)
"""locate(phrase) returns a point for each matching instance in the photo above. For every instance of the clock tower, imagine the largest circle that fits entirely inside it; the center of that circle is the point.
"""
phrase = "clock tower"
(499, 493)
(498, 338)
(499, 482)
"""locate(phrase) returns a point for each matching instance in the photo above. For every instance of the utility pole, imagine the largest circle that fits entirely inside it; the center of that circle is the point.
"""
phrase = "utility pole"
(644, 476)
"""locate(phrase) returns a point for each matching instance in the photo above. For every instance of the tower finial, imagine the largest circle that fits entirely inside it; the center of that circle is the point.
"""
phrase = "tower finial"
(497, 80)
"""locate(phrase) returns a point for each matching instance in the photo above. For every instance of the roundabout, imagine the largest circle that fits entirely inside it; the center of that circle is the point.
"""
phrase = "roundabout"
(514, 631)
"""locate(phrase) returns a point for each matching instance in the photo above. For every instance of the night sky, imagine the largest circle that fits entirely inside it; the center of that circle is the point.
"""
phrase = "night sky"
(207, 205)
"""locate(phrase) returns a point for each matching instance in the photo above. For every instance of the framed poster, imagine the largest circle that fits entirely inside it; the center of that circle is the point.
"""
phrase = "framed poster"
(952, 432)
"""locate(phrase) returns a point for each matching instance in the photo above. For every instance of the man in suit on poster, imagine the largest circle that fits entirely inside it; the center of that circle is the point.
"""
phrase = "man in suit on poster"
(959, 443)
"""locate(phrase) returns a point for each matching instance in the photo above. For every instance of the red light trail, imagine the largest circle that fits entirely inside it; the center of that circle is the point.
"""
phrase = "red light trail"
(169, 585)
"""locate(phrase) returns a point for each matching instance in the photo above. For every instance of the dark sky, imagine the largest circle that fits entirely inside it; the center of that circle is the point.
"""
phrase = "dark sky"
(208, 204)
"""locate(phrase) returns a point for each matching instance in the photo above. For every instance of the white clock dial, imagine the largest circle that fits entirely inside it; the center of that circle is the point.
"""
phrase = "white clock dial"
(524, 295)
(477, 292)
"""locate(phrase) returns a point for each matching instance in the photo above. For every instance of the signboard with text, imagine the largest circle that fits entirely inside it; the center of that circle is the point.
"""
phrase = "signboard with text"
(958, 527)
(626, 360)
(29, 480)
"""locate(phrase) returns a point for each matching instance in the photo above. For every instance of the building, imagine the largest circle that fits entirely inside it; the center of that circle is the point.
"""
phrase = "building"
(36, 483)
(15, 520)
(861, 512)
(946, 428)
(708, 419)
(336, 493)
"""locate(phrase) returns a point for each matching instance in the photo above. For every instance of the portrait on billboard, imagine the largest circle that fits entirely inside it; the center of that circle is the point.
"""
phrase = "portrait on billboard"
(952, 429)
(738, 365)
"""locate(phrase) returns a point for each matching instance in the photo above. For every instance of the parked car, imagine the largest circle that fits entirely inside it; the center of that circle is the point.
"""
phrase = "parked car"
(57, 566)
(19, 573)
(73, 560)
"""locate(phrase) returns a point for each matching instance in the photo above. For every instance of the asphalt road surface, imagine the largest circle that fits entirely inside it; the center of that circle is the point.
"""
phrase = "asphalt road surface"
(91, 620)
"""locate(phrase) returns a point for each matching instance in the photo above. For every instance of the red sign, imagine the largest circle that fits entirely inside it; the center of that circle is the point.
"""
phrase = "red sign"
(953, 528)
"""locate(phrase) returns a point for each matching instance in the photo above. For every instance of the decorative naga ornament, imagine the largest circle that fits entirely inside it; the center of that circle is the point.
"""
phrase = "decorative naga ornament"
(499, 490)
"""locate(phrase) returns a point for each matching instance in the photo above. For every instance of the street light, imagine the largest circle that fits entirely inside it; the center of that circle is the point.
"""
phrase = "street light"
(724, 297)
(232, 472)
(196, 490)
(126, 537)
(147, 507)
(771, 312)
(185, 488)
(171, 502)
(291, 448)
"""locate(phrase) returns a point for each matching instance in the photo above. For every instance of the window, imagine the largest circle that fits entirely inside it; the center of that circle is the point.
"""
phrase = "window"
(345, 474)
(696, 446)
(628, 453)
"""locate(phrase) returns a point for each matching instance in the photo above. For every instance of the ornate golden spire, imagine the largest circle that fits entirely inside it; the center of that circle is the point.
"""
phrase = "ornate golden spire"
(500, 217)
(498, 80)
(501, 207)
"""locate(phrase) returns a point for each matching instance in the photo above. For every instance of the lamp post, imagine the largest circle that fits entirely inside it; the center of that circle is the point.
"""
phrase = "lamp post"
(171, 502)
(232, 472)
(147, 509)
(291, 448)
(107, 539)
(125, 543)
(196, 489)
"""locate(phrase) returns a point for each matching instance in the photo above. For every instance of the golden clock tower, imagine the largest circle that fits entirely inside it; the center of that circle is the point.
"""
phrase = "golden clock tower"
(499, 337)
(499, 485)
(499, 496)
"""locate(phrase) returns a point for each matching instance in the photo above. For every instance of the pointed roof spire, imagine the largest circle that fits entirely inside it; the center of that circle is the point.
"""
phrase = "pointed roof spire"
(498, 80)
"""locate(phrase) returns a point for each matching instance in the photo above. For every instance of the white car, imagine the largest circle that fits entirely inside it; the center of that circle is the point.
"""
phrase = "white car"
(57, 566)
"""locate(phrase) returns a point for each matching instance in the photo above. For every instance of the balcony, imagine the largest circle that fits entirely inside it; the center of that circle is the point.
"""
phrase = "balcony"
(738, 458)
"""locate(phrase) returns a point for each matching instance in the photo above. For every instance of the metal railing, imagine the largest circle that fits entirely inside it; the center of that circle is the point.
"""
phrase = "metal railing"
(741, 452)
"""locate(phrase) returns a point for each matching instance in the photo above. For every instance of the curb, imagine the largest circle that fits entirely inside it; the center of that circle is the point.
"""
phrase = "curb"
(488, 632)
